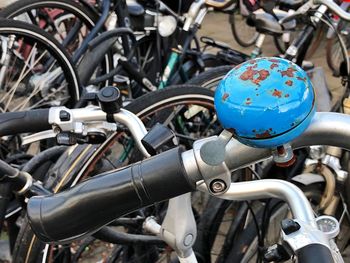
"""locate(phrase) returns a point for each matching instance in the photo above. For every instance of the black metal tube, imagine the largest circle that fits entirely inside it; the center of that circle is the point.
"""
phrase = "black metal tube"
(93, 32)
(5, 196)
(7, 170)
(37, 160)
(111, 236)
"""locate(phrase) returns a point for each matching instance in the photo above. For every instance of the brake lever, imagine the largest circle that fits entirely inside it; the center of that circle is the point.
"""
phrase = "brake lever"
(39, 136)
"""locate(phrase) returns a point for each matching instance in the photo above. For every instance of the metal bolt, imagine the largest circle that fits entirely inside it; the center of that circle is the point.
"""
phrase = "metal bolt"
(188, 240)
(281, 150)
(218, 186)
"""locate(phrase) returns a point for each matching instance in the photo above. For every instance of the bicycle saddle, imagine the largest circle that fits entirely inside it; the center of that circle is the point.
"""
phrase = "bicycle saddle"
(265, 102)
(266, 23)
(134, 8)
(219, 4)
(290, 4)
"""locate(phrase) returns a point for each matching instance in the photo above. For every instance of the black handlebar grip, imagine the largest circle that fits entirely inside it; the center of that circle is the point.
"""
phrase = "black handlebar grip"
(94, 203)
(314, 253)
(12, 123)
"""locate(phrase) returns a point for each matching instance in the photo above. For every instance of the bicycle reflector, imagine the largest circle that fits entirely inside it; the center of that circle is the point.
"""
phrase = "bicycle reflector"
(265, 102)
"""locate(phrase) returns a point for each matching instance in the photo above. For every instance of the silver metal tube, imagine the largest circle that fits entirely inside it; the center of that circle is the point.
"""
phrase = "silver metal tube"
(86, 114)
(334, 7)
(326, 128)
(136, 127)
(271, 188)
(129, 119)
(192, 13)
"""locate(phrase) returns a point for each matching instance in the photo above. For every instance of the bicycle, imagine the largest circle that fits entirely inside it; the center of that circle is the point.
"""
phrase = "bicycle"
(197, 166)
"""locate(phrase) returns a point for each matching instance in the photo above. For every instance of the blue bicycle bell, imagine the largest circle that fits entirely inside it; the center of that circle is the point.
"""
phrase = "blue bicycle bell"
(265, 102)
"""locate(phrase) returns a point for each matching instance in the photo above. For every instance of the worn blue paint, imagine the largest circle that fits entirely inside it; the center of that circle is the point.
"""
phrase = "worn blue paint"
(266, 102)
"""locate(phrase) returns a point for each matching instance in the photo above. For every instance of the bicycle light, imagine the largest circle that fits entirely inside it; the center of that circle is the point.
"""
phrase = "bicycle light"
(266, 102)
(166, 26)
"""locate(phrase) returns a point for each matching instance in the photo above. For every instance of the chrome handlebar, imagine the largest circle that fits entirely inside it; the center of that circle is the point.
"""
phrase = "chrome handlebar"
(88, 119)
(334, 7)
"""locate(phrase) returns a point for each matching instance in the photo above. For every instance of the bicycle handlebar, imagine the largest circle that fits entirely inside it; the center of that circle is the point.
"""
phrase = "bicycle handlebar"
(96, 202)
(68, 120)
(314, 253)
(12, 123)
(334, 7)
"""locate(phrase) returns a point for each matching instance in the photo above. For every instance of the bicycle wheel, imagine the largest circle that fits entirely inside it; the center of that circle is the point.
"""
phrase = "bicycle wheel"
(193, 104)
(244, 35)
(210, 78)
(68, 21)
(56, 17)
(36, 72)
(334, 51)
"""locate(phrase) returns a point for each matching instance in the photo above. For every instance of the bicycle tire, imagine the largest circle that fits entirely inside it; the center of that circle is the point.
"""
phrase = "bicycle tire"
(334, 52)
(27, 247)
(235, 29)
(210, 79)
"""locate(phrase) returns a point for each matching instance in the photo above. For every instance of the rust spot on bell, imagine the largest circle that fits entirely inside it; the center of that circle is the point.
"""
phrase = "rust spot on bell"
(250, 73)
(300, 78)
(286, 96)
(277, 93)
(256, 81)
(289, 82)
(263, 74)
(289, 72)
(274, 60)
(265, 134)
(225, 96)
(273, 65)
